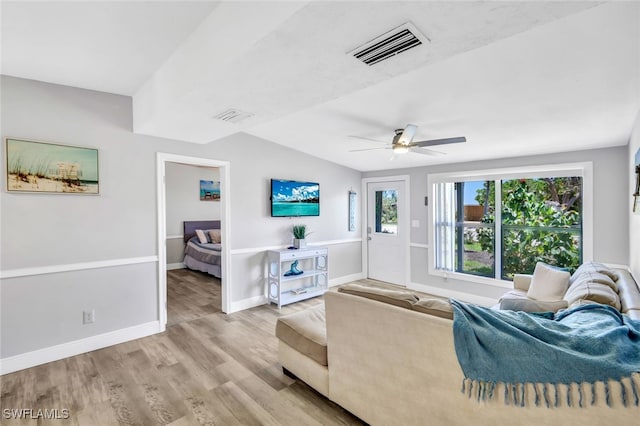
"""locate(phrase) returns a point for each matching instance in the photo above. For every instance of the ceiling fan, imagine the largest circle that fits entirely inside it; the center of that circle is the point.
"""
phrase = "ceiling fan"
(403, 142)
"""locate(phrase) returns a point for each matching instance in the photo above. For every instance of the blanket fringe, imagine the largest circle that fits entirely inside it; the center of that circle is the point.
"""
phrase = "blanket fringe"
(506, 394)
(634, 389)
(571, 394)
(547, 401)
(580, 396)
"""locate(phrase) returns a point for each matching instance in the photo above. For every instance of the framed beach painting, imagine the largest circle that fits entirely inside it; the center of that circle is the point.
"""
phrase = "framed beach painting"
(209, 190)
(43, 167)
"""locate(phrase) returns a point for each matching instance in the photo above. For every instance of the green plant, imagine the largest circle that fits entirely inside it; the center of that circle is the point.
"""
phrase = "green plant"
(535, 226)
(299, 232)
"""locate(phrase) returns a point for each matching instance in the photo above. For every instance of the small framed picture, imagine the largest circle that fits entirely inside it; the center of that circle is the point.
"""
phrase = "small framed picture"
(209, 190)
(352, 211)
(42, 167)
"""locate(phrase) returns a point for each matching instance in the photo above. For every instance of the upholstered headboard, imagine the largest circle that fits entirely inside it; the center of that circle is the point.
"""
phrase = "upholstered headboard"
(191, 226)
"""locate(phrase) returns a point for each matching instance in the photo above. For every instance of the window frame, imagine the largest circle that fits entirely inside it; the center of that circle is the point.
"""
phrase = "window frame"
(582, 169)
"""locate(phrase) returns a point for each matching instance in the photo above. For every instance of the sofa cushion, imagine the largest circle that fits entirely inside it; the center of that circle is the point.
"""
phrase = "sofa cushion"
(594, 292)
(593, 267)
(522, 281)
(633, 314)
(594, 277)
(436, 307)
(404, 299)
(517, 300)
(628, 291)
(306, 332)
(548, 283)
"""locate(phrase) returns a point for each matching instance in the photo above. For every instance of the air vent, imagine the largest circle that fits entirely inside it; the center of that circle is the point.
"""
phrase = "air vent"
(233, 115)
(389, 44)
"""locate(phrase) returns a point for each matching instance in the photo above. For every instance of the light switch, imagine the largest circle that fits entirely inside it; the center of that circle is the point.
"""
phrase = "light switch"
(415, 223)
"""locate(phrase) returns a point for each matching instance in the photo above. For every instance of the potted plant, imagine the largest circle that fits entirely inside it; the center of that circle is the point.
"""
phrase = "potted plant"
(299, 235)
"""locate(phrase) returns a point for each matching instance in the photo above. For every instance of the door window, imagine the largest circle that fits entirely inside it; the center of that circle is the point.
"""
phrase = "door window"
(387, 212)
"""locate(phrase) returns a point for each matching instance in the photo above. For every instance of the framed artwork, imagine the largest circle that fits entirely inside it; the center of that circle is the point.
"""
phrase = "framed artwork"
(42, 167)
(209, 190)
(352, 211)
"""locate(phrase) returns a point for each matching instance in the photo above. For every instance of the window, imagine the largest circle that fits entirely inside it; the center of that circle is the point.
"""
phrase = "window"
(387, 211)
(495, 224)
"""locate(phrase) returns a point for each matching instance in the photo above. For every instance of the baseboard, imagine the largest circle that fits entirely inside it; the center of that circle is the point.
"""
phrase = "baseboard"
(346, 279)
(76, 347)
(172, 266)
(443, 292)
(251, 302)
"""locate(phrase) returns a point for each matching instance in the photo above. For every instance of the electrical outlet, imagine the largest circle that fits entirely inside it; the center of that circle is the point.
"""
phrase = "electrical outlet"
(89, 317)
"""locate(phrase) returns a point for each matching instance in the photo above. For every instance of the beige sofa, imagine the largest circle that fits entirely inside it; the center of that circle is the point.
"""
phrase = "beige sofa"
(390, 360)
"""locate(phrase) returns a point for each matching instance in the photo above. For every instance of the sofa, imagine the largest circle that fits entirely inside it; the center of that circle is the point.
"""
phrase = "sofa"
(388, 357)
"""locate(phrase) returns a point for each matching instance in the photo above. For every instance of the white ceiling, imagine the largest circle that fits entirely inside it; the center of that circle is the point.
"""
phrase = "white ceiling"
(515, 78)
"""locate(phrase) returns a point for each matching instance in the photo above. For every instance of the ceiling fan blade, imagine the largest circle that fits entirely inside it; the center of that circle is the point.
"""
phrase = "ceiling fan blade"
(366, 139)
(445, 141)
(407, 135)
(424, 151)
(368, 149)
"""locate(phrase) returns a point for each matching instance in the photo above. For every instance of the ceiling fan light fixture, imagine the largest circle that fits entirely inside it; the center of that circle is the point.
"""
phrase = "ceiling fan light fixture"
(400, 149)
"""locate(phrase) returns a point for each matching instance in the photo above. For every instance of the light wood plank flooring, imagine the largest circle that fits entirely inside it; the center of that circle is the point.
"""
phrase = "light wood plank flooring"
(208, 368)
(191, 295)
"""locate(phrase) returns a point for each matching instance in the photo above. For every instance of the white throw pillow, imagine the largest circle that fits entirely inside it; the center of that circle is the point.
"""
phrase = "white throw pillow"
(548, 283)
(201, 236)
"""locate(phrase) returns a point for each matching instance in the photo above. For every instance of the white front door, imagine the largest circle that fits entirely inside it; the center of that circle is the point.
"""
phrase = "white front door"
(387, 239)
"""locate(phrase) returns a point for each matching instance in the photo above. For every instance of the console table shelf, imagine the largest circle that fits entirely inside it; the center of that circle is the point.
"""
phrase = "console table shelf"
(314, 262)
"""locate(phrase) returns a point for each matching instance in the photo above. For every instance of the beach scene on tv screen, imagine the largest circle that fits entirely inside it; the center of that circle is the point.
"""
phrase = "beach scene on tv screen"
(291, 198)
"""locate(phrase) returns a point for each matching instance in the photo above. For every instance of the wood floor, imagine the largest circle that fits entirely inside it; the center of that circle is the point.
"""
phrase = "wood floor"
(208, 368)
(191, 295)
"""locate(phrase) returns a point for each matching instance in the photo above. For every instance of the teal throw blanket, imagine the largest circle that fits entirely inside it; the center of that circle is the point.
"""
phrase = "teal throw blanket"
(586, 344)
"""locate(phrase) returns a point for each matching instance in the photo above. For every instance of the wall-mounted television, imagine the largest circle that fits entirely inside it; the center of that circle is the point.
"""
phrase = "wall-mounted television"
(293, 198)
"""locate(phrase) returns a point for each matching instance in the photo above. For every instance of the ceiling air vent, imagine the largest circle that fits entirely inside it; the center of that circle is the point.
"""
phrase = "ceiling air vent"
(389, 44)
(233, 115)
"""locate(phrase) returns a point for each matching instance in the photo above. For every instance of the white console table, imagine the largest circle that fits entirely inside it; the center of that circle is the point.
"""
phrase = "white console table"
(314, 262)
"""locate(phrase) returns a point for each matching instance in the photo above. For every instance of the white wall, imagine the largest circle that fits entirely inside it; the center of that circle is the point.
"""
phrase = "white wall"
(634, 219)
(183, 203)
(611, 236)
(253, 228)
(62, 254)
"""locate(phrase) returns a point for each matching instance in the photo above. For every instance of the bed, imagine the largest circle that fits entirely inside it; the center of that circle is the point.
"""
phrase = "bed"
(199, 256)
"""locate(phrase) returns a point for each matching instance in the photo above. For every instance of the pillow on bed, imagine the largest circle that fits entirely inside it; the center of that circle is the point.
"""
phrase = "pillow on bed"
(201, 236)
(214, 235)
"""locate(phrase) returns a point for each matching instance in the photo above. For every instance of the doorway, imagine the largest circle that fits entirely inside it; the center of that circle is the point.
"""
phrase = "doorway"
(225, 226)
(387, 229)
